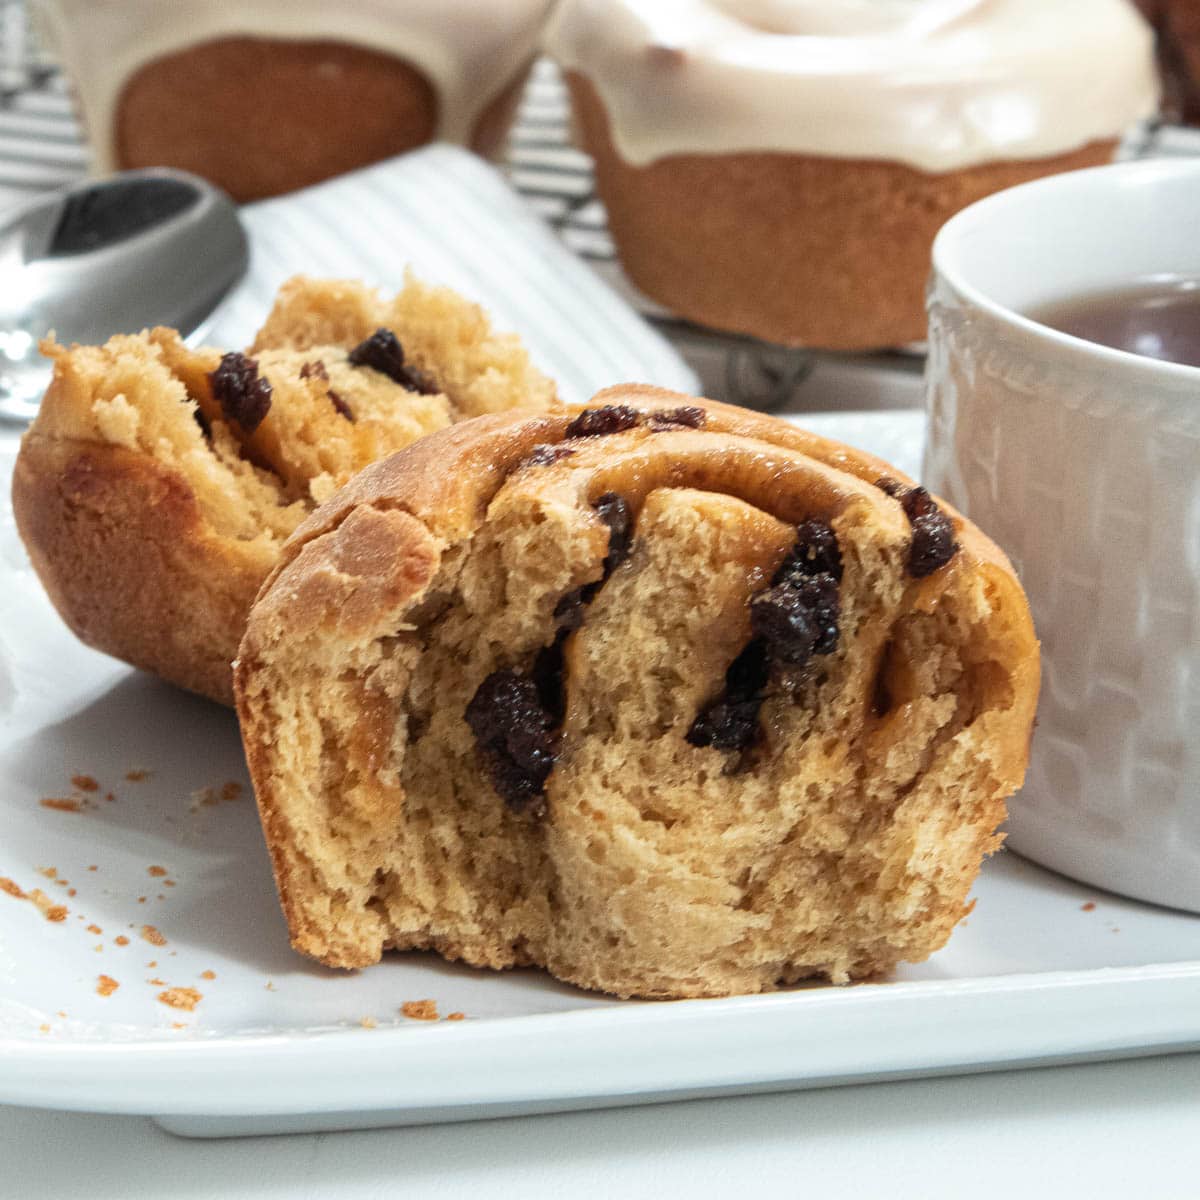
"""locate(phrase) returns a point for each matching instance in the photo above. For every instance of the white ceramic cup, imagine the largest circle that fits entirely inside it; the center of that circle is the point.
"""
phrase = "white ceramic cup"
(1083, 463)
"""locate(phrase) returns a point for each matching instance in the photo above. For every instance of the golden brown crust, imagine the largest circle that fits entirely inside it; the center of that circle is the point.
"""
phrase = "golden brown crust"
(263, 116)
(125, 556)
(444, 481)
(794, 249)
(242, 112)
(447, 479)
(373, 552)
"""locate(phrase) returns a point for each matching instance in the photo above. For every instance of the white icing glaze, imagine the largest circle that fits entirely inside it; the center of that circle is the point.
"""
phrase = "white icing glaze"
(937, 84)
(468, 51)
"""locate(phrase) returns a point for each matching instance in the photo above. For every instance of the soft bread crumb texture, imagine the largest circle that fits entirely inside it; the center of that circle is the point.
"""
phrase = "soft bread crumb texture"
(152, 518)
(844, 841)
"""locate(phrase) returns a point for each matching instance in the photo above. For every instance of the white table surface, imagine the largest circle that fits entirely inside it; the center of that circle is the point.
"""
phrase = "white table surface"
(1100, 1130)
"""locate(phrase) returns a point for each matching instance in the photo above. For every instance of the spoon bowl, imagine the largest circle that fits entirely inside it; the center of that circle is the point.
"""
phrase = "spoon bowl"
(116, 255)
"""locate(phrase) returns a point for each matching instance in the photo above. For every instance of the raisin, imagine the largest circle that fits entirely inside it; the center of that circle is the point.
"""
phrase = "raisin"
(730, 722)
(689, 416)
(726, 724)
(614, 512)
(546, 454)
(797, 619)
(516, 737)
(820, 594)
(784, 623)
(793, 619)
(815, 552)
(918, 503)
(932, 545)
(383, 352)
(243, 396)
(516, 718)
(600, 422)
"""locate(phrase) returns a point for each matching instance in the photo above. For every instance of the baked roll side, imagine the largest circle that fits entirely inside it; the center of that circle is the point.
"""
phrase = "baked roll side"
(130, 563)
(490, 698)
(149, 536)
(158, 482)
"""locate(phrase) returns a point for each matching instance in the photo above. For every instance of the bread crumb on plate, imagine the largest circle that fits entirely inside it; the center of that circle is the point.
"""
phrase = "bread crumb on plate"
(420, 1010)
(181, 997)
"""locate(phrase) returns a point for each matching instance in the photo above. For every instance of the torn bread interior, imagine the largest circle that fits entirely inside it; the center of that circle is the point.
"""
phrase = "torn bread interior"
(666, 697)
(158, 482)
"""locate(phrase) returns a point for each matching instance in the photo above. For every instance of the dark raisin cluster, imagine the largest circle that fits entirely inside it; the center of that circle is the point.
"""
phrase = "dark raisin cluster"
(793, 619)
(520, 743)
(797, 619)
(242, 395)
(383, 353)
(616, 418)
(730, 722)
(815, 552)
(516, 735)
(797, 616)
(933, 543)
(601, 422)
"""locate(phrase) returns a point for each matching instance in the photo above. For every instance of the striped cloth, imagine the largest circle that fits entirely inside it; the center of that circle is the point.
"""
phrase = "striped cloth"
(41, 143)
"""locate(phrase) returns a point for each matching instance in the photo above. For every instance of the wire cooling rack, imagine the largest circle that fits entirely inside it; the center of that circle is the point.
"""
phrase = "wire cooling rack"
(42, 146)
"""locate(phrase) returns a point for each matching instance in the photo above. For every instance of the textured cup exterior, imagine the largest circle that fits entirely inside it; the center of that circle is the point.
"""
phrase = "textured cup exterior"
(1086, 470)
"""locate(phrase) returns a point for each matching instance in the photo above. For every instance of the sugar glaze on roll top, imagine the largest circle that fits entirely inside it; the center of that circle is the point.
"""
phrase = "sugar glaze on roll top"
(937, 84)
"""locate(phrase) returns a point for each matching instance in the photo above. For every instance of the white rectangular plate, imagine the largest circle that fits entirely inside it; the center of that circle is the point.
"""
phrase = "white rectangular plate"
(1043, 970)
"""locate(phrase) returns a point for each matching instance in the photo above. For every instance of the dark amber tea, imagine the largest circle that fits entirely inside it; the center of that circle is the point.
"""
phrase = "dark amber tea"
(1159, 318)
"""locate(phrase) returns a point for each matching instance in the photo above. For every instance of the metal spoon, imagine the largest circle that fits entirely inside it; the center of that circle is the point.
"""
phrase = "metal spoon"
(116, 255)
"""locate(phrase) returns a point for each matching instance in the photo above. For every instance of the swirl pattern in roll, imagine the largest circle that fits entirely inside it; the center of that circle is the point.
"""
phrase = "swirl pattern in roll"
(666, 697)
